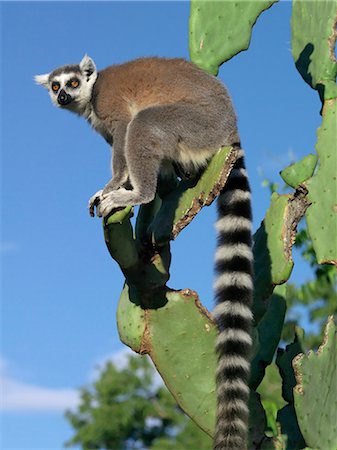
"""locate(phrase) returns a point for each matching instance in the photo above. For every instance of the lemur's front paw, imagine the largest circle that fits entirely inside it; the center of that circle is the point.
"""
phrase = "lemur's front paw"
(106, 205)
(94, 201)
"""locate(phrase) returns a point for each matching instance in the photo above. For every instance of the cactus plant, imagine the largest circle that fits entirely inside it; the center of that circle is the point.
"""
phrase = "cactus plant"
(287, 416)
(162, 322)
(323, 189)
(219, 31)
(316, 409)
(313, 42)
(297, 173)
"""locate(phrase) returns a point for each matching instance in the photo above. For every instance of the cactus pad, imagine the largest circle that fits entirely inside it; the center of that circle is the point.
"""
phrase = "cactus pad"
(313, 42)
(118, 235)
(272, 246)
(180, 339)
(130, 321)
(287, 416)
(322, 214)
(221, 29)
(297, 173)
(315, 394)
(268, 337)
(182, 204)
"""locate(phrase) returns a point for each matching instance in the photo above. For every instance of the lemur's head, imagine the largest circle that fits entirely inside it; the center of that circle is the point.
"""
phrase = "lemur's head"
(71, 86)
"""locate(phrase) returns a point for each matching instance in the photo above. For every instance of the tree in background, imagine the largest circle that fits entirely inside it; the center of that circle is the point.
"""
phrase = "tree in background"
(125, 409)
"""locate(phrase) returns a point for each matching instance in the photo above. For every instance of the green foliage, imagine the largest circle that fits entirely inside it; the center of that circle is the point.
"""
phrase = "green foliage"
(182, 204)
(221, 29)
(313, 26)
(272, 247)
(268, 337)
(287, 416)
(315, 395)
(323, 189)
(300, 171)
(164, 333)
(313, 43)
(123, 410)
(317, 295)
(271, 390)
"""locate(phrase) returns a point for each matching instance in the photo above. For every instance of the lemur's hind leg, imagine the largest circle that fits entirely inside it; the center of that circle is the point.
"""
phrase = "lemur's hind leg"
(158, 133)
(143, 154)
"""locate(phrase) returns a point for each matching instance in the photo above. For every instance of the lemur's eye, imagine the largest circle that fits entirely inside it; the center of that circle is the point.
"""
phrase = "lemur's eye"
(75, 83)
(55, 86)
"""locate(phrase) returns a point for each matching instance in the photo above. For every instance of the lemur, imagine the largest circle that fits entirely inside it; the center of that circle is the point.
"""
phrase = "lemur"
(158, 111)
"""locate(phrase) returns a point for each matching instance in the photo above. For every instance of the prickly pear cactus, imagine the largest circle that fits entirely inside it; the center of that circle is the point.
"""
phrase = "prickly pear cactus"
(172, 326)
(313, 27)
(315, 394)
(313, 42)
(220, 30)
(299, 172)
(272, 246)
(287, 415)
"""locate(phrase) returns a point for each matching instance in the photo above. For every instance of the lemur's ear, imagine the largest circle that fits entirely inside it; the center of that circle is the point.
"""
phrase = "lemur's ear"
(87, 66)
(42, 80)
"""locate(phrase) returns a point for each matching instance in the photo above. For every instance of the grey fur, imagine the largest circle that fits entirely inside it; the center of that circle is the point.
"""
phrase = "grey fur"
(70, 68)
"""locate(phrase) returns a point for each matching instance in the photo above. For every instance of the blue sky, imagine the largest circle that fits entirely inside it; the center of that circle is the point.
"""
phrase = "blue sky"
(59, 285)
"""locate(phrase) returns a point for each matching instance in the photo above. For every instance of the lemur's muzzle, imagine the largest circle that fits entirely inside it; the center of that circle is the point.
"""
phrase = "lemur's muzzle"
(64, 98)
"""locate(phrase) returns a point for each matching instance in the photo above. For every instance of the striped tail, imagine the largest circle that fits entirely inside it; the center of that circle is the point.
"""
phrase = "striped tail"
(233, 291)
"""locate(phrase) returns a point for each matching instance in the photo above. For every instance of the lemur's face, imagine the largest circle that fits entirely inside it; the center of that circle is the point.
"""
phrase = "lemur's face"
(70, 86)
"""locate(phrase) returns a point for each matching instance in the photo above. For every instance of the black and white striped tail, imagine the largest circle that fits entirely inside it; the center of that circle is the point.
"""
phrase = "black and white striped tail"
(233, 291)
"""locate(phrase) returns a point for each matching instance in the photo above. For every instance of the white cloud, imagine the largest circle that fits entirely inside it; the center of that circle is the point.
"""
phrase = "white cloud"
(20, 396)
(17, 395)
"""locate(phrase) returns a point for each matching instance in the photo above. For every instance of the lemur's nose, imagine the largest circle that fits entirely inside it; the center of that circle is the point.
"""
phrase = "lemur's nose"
(64, 98)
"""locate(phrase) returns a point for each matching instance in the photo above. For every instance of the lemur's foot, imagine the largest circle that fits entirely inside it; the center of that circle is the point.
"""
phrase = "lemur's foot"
(105, 202)
(94, 201)
(112, 200)
(120, 199)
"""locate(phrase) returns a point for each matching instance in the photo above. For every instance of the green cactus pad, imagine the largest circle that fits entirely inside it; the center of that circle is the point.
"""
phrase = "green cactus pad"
(181, 338)
(221, 29)
(181, 205)
(118, 235)
(257, 421)
(272, 255)
(273, 243)
(275, 443)
(287, 419)
(287, 416)
(322, 214)
(315, 394)
(313, 27)
(130, 322)
(297, 173)
(268, 337)
(284, 363)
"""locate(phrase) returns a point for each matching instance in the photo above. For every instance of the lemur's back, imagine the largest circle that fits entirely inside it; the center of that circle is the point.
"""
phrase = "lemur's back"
(146, 82)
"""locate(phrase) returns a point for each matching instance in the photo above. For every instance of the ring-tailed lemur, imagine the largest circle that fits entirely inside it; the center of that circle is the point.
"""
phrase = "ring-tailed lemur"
(157, 111)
